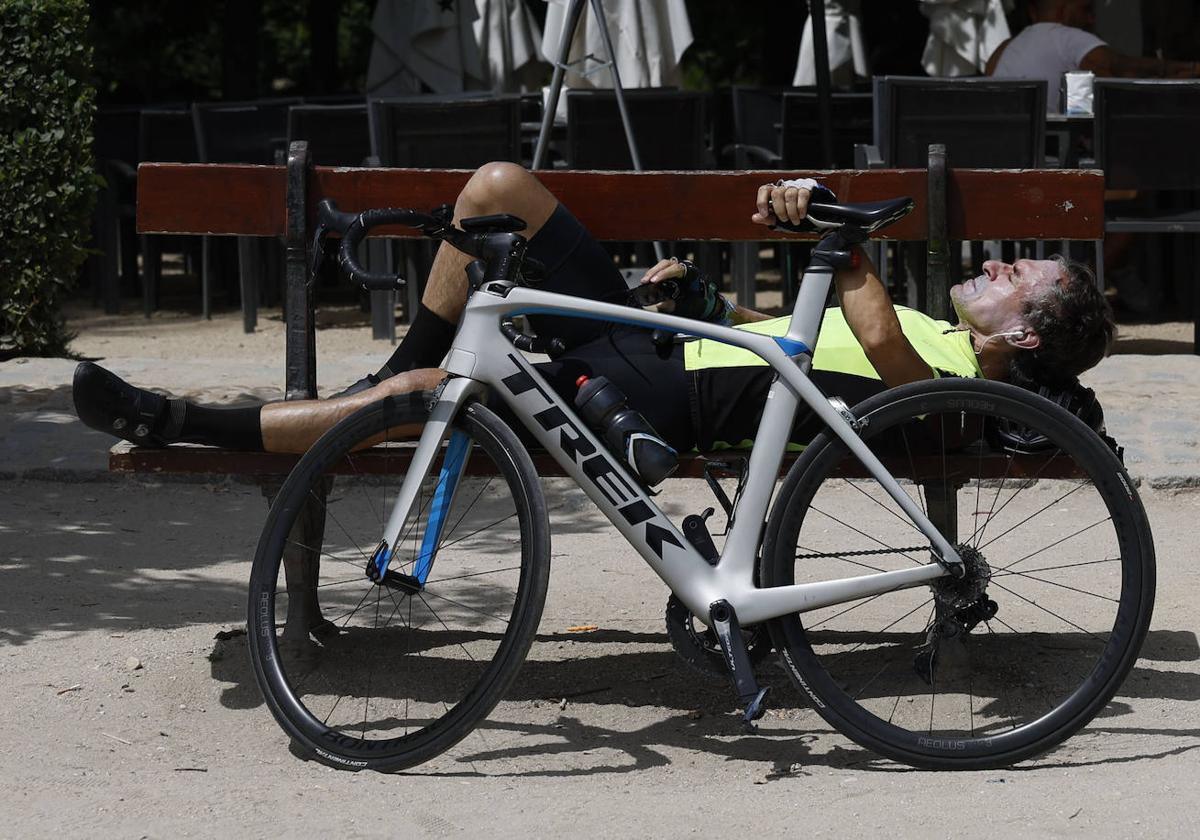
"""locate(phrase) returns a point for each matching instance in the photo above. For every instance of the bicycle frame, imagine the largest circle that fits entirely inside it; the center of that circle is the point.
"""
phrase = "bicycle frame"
(481, 358)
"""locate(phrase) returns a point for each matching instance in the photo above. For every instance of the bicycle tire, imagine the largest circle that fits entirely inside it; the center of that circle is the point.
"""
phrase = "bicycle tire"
(836, 666)
(444, 656)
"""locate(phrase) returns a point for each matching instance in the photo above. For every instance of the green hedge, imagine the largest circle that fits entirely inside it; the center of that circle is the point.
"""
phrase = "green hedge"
(47, 185)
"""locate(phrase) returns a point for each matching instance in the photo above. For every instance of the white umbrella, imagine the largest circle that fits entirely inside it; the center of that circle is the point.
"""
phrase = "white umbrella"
(450, 46)
(847, 52)
(649, 38)
(509, 39)
(963, 34)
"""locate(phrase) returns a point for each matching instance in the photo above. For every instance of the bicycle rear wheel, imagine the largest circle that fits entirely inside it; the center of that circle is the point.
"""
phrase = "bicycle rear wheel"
(1046, 624)
(365, 675)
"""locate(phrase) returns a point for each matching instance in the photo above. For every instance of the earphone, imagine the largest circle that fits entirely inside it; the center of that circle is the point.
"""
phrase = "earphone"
(1017, 334)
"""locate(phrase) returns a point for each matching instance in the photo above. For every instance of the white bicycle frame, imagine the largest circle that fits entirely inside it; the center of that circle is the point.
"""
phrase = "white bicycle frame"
(482, 358)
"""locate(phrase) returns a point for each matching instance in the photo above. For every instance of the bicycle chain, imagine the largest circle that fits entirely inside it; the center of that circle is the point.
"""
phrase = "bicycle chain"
(863, 552)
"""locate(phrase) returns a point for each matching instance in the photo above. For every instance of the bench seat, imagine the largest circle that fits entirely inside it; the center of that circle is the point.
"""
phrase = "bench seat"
(269, 467)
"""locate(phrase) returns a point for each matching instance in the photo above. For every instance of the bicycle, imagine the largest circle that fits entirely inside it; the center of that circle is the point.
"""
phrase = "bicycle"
(957, 645)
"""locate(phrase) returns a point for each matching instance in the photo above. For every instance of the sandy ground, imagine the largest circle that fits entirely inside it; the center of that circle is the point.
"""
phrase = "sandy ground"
(126, 716)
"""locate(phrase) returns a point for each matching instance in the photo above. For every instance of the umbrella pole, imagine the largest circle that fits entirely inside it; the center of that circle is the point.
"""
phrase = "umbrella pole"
(816, 11)
(556, 83)
(660, 251)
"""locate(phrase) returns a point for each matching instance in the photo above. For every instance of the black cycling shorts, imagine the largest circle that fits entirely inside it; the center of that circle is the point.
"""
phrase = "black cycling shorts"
(576, 264)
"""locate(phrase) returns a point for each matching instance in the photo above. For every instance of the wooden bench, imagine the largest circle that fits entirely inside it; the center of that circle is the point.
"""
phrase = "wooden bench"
(279, 201)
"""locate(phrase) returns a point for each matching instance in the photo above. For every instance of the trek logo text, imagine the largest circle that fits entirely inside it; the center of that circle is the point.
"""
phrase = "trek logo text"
(596, 464)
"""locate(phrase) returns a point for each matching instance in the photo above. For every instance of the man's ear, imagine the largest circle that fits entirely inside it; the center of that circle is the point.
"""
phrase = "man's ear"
(1026, 339)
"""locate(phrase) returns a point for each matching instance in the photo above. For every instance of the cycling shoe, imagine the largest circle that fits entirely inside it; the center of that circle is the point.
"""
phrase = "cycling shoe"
(107, 403)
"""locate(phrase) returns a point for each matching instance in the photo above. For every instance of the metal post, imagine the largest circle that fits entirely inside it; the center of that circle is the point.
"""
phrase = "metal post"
(302, 558)
(560, 68)
(301, 352)
(816, 13)
(938, 249)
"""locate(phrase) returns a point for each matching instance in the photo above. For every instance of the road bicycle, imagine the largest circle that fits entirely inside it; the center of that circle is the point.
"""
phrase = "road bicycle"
(956, 573)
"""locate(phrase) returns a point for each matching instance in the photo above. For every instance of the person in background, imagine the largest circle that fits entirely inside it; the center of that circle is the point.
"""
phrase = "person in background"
(1060, 40)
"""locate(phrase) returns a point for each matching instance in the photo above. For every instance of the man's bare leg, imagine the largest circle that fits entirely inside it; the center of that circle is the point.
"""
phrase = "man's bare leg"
(106, 402)
(494, 188)
(295, 425)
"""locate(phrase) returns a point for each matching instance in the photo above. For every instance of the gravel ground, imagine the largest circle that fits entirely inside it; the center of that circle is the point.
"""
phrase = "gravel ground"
(130, 709)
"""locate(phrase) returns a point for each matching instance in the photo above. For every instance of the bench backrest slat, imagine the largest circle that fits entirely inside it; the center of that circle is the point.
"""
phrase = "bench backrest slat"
(983, 204)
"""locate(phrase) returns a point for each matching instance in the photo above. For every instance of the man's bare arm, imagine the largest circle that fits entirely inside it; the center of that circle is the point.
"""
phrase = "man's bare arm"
(865, 302)
(1105, 61)
(872, 318)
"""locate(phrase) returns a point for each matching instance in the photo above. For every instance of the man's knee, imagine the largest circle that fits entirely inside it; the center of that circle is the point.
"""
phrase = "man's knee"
(500, 186)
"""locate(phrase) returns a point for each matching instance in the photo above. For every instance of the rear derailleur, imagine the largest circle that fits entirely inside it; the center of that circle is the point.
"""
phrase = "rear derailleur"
(960, 605)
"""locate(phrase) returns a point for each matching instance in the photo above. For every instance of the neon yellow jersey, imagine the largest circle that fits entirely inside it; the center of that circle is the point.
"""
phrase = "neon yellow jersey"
(946, 350)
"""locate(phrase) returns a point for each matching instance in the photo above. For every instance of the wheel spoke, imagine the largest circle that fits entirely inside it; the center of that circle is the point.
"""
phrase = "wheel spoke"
(866, 659)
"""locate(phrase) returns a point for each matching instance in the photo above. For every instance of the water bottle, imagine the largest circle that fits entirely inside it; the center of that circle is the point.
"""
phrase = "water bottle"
(626, 432)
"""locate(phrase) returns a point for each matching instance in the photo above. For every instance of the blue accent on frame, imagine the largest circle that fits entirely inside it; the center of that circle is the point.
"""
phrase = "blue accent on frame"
(452, 465)
(791, 346)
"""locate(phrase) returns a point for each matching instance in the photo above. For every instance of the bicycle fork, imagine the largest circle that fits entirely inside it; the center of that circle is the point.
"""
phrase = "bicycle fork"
(449, 399)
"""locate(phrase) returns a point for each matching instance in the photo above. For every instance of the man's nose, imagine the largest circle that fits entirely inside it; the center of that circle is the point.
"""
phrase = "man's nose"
(994, 268)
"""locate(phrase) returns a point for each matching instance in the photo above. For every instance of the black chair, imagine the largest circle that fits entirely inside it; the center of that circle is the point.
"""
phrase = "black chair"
(1145, 135)
(454, 132)
(669, 126)
(252, 132)
(115, 145)
(165, 135)
(460, 131)
(337, 135)
(757, 114)
(757, 120)
(800, 136)
(984, 123)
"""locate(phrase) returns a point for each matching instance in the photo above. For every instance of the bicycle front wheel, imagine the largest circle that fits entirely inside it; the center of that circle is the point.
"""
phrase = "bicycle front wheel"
(383, 676)
(1032, 643)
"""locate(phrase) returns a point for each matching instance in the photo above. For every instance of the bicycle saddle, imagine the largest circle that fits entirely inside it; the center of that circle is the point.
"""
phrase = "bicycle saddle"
(869, 216)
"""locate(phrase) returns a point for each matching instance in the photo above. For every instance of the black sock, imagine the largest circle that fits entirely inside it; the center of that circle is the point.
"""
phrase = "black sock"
(228, 428)
(423, 346)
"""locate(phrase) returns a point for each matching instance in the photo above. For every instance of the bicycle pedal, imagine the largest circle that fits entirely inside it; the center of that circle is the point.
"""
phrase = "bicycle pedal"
(755, 709)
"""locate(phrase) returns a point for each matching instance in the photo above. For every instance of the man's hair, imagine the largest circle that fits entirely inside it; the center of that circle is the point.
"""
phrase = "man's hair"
(1075, 325)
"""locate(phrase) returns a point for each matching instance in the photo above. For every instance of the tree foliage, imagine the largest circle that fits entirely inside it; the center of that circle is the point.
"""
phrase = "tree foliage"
(47, 188)
(148, 51)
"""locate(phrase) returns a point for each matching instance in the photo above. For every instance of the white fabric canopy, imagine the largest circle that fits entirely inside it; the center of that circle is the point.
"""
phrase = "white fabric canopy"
(847, 53)
(963, 34)
(509, 45)
(649, 38)
(450, 46)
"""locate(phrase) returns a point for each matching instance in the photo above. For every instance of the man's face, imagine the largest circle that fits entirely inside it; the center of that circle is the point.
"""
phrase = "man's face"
(996, 301)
